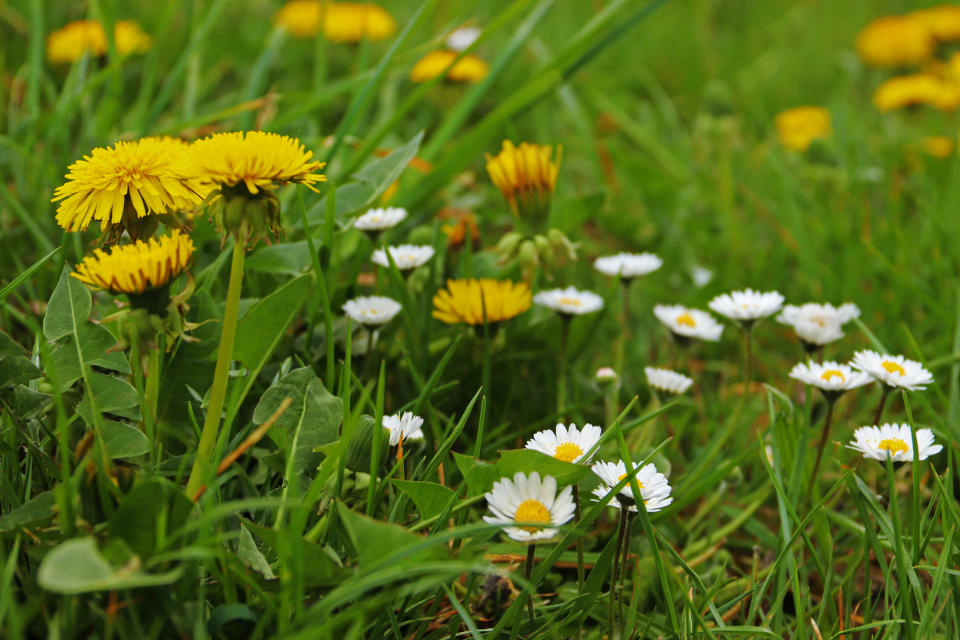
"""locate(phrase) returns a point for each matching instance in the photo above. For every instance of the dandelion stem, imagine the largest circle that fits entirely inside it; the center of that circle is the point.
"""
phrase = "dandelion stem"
(831, 401)
(218, 393)
(562, 373)
(151, 394)
(883, 401)
(527, 571)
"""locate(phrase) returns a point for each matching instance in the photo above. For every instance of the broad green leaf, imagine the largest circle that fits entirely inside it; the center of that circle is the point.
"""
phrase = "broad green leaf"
(111, 395)
(259, 331)
(528, 461)
(17, 370)
(431, 498)
(319, 568)
(149, 513)
(77, 566)
(250, 555)
(288, 258)
(478, 474)
(374, 539)
(123, 441)
(34, 510)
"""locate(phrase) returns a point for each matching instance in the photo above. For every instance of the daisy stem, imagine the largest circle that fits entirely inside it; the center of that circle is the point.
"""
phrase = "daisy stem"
(748, 357)
(915, 473)
(527, 571)
(906, 595)
(562, 373)
(580, 572)
(624, 556)
(823, 441)
(624, 324)
(401, 470)
(883, 401)
(151, 395)
(218, 393)
(616, 565)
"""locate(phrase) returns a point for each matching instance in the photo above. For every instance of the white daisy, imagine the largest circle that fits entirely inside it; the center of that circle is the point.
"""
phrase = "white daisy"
(571, 301)
(688, 323)
(461, 38)
(893, 439)
(567, 444)
(653, 485)
(380, 219)
(403, 427)
(701, 276)
(627, 265)
(893, 371)
(667, 380)
(830, 376)
(747, 305)
(371, 309)
(528, 500)
(405, 256)
(818, 324)
(606, 374)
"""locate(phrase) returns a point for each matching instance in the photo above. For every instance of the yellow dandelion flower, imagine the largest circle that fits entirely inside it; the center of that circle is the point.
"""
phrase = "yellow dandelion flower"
(526, 176)
(895, 41)
(458, 221)
(73, 41)
(942, 21)
(938, 146)
(300, 17)
(355, 21)
(798, 127)
(464, 301)
(138, 267)
(118, 185)
(469, 68)
(917, 89)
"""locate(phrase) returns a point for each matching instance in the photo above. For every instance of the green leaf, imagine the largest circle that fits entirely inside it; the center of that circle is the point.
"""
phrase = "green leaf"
(250, 555)
(259, 331)
(34, 510)
(478, 474)
(374, 539)
(288, 258)
(123, 441)
(111, 395)
(528, 461)
(431, 498)
(149, 514)
(77, 566)
(319, 567)
(17, 370)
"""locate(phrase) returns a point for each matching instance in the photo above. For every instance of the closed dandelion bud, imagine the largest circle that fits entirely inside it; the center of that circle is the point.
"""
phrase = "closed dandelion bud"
(560, 242)
(544, 250)
(508, 243)
(527, 253)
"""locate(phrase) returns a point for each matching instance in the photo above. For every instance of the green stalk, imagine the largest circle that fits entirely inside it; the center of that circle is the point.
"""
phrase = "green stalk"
(748, 357)
(151, 395)
(218, 393)
(576, 518)
(562, 373)
(915, 472)
(831, 401)
(905, 591)
(621, 531)
(883, 401)
(527, 571)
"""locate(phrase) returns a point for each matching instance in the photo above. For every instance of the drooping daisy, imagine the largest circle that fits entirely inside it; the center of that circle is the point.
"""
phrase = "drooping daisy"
(893, 371)
(469, 68)
(818, 324)
(405, 256)
(799, 126)
(528, 500)
(76, 39)
(567, 444)
(830, 376)
(569, 301)
(466, 301)
(654, 487)
(667, 380)
(895, 41)
(895, 440)
(627, 265)
(380, 219)
(460, 39)
(526, 176)
(372, 310)
(403, 427)
(137, 267)
(688, 323)
(747, 305)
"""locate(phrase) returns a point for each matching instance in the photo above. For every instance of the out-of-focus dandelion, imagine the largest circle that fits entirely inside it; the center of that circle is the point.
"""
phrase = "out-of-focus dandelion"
(917, 89)
(799, 126)
(526, 176)
(469, 68)
(76, 39)
(895, 41)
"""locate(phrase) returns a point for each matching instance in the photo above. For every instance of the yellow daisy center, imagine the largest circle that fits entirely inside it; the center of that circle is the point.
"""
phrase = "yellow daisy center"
(893, 445)
(832, 373)
(893, 367)
(623, 475)
(568, 452)
(531, 510)
(573, 302)
(686, 319)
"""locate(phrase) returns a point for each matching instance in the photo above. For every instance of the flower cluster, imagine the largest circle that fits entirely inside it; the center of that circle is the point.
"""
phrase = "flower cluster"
(338, 21)
(87, 37)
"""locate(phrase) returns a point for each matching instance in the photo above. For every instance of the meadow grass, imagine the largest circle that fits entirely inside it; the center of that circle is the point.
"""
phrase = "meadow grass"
(665, 113)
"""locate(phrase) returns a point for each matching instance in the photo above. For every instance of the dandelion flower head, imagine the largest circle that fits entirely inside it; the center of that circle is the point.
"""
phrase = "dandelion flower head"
(526, 175)
(895, 41)
(466, 301)
(137, 267)
(469, 68)
(799, 126)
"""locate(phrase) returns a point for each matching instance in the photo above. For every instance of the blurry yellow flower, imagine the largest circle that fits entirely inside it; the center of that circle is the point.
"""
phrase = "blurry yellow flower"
(938, 146)
(459, 221)
(469, 68)
(942, 21)
(138, 267)
(464, 301)
(119, 185)
(71, 42)
(526, 176)
(799, 126)
(916, 89)
(354, 21)
(300, 17)
(895, 41)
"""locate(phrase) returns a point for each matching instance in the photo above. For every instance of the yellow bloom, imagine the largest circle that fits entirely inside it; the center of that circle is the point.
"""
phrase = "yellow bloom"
(942, 21)
(895, 41)
(458, 221)
(300, 17)
(938, 146)
(916, 89)
(464, 301)
(138, 267)
(71, 42)
(119, 185)
(470, 68)
(354, 21)
(799, 126)
(526, 176)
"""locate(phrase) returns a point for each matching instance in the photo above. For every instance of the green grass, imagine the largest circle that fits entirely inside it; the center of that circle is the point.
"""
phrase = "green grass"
(665, 113)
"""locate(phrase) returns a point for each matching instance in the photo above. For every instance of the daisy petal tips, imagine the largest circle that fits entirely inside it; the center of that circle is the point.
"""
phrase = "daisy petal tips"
(566, 443)
(893, 371)
(894, 440)
(747, 305)
(529, 509)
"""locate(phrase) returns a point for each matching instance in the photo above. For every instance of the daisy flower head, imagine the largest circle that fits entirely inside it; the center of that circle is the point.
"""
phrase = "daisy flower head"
(469, 68)
(606, 374)
(895, 41)
(800, 126)
(371, 310)
(895, 440)
(380, 219)
(570, 301)
(667, 380)
(463, 37)
(829, 376)
(893, 371)
(356, 21)
(818, 324)
(467, 301)
(654, 487)
(526, 176)
(566, 443)
(627, 265)
(527, 508)
(403, 427)
(124, 185)
(688, 323)
(405, 256)
(747, 305)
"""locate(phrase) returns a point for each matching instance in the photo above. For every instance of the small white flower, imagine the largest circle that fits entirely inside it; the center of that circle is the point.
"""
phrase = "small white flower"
(371, 309)
(747, 305)
(380, 219)
(653, 485)
(627, 265)
(667, 380)
(893, 439)
(893, 371)
(528, 500)
(403, 427)
(830, 376)
(461, 38)
(818, 324)
(405, 256)
(689, 323)
(570, 300)
(606, 374)
(567, 444)
(701, 276)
